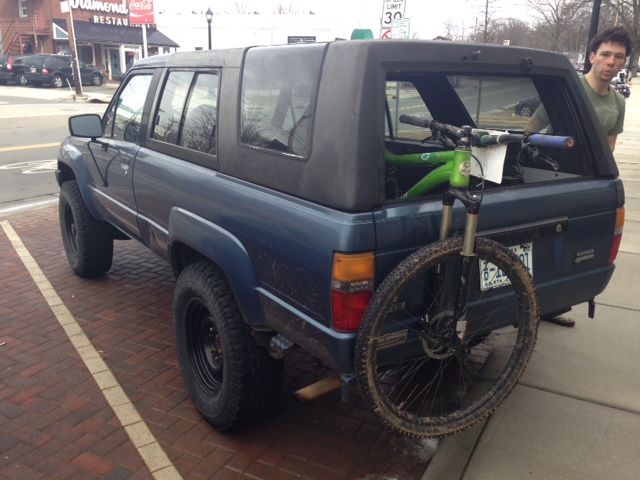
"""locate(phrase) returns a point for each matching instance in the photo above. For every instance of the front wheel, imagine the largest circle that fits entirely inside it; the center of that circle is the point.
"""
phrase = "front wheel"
(230, 378)
(87, 241)
(96, 80)
(416, 371)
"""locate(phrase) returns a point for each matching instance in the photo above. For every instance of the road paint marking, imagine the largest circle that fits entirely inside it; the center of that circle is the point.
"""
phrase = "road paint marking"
(28, 147)
(33, 166)
(139, 433)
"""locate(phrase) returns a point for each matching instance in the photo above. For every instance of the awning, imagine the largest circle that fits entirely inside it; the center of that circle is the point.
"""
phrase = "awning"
(101, 33)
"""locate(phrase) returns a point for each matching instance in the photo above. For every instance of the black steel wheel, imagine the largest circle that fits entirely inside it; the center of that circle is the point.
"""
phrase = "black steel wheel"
(87, 241)
(416, 371)
(230, 378)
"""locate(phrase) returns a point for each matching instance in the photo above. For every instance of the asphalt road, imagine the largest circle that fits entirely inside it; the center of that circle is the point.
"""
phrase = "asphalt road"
(33, 122)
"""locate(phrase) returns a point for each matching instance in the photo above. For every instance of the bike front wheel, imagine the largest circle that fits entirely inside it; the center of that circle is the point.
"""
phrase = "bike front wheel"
(425, 372)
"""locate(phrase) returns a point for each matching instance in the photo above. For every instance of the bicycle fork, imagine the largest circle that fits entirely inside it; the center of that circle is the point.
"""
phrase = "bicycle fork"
(472, 204)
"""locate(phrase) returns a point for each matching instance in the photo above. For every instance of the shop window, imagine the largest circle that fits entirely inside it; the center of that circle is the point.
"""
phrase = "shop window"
(22, 8)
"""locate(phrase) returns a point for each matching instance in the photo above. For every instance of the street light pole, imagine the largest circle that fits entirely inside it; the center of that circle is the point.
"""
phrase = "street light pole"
(209, 15)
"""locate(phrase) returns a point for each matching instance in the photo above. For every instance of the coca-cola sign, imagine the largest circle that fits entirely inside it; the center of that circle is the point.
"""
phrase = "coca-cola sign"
(141, 11)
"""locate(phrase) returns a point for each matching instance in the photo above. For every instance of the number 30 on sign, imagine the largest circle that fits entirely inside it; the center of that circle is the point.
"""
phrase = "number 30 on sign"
(392, 10)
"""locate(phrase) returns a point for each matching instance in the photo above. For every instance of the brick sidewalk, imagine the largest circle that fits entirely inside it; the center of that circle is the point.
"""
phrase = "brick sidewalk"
(56, 424)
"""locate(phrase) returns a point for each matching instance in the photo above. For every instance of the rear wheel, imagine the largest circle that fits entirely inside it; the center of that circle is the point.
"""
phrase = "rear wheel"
(87, 241)
(416, 371)
(21, 79)
(57, 81)
(230, 378)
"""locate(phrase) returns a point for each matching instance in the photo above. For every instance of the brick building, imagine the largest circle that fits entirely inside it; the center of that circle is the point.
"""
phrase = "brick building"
(104, 36)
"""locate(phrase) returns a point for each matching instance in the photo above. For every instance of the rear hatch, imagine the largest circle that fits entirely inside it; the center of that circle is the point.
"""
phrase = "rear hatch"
(561, 222)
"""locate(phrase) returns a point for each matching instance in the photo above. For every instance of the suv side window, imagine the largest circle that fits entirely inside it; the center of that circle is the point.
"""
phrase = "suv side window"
(187, 113)
(125, 114)
(278, 91)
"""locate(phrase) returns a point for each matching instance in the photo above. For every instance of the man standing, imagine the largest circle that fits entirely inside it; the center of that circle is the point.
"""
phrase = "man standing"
(609, 51)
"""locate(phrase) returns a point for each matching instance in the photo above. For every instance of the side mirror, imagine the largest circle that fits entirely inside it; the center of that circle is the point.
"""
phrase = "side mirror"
(86, 126)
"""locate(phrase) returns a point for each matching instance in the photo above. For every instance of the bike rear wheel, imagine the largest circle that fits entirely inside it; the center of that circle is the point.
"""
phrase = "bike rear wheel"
(414, 370)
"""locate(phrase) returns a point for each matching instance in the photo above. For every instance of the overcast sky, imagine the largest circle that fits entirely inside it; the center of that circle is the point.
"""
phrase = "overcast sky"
(426, 16)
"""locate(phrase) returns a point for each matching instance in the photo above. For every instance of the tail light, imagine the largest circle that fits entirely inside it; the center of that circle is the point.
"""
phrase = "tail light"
(10, 64)
(351, 289)
(617, 237)
(45, 71)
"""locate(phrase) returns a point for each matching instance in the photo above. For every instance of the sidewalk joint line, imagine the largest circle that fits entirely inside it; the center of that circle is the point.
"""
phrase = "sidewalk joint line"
(141, 436)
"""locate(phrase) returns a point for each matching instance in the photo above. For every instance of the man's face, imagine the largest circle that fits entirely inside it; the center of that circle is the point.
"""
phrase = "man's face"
(608, 60)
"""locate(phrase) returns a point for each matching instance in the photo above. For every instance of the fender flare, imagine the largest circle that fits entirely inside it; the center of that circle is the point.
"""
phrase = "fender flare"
(226, 251)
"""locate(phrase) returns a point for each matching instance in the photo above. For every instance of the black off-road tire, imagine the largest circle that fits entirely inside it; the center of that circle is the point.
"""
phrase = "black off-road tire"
(87, 241)
(230, 378)
(444, 384)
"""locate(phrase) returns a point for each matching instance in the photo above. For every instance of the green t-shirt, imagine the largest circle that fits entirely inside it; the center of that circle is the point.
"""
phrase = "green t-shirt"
(609, 108)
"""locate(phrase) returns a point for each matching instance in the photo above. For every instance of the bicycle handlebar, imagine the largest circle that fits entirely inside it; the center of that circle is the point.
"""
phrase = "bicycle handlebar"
(483, 138)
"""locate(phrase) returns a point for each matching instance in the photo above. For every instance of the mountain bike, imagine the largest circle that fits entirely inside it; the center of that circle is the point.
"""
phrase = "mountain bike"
(450, 330)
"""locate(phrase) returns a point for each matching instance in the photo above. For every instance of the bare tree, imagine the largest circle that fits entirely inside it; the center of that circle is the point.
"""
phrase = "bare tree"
(558, 20)
(485, 25)
(287, 9)
(454, 31)
(516, 31)
(238, 8)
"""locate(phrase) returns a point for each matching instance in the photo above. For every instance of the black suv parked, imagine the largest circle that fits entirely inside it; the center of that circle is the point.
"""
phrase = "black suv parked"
(55, 70)
(12, 69)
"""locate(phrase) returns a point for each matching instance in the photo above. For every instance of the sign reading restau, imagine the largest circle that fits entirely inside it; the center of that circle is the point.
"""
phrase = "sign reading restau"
(392, 10)
(141, 12)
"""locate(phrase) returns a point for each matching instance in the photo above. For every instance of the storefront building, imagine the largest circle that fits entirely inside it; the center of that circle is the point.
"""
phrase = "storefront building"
(104, 34)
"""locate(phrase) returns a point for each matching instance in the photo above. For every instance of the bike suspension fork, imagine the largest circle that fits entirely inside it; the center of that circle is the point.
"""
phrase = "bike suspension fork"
(472, 204)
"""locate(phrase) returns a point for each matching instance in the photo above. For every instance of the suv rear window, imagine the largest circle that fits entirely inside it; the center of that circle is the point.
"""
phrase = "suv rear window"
(486, 102)
(278, 91)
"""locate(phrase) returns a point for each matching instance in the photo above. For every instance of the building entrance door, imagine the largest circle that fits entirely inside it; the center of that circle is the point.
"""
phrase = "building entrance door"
(114, 62)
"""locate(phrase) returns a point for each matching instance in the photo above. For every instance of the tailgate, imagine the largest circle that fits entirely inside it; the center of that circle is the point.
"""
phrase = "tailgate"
(570, 226)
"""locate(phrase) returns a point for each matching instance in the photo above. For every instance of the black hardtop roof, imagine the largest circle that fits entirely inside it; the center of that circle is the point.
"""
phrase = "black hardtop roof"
(446, 52)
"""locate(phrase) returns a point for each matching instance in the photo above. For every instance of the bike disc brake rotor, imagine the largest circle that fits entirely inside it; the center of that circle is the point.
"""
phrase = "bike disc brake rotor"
(440, 340)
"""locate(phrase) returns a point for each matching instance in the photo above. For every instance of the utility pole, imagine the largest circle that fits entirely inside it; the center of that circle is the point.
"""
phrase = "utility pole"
(593, 29)
(74, 55)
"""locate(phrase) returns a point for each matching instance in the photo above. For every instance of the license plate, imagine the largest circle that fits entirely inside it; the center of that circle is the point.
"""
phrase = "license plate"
(492, 277)
(32, 69)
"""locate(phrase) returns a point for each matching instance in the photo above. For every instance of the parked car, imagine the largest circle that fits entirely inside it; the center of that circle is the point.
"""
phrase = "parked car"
(621, 87)
(261, 176)
(525, 108)
(56, 70)
(12, 69)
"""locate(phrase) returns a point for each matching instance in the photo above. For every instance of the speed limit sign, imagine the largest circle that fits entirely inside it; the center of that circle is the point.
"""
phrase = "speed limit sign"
(392, 10)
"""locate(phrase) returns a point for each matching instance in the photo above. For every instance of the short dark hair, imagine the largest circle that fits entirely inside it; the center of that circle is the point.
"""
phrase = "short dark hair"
(617, 34)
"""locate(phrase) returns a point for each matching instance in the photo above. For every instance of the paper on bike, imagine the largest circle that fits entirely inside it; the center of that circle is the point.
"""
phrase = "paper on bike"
(492, 161)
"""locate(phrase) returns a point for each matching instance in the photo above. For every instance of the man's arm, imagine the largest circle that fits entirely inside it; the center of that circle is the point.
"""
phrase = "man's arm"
(535, 124)
(612, 141)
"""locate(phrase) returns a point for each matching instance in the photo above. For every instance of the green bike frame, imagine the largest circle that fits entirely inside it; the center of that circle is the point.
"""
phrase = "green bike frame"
(454, 169)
